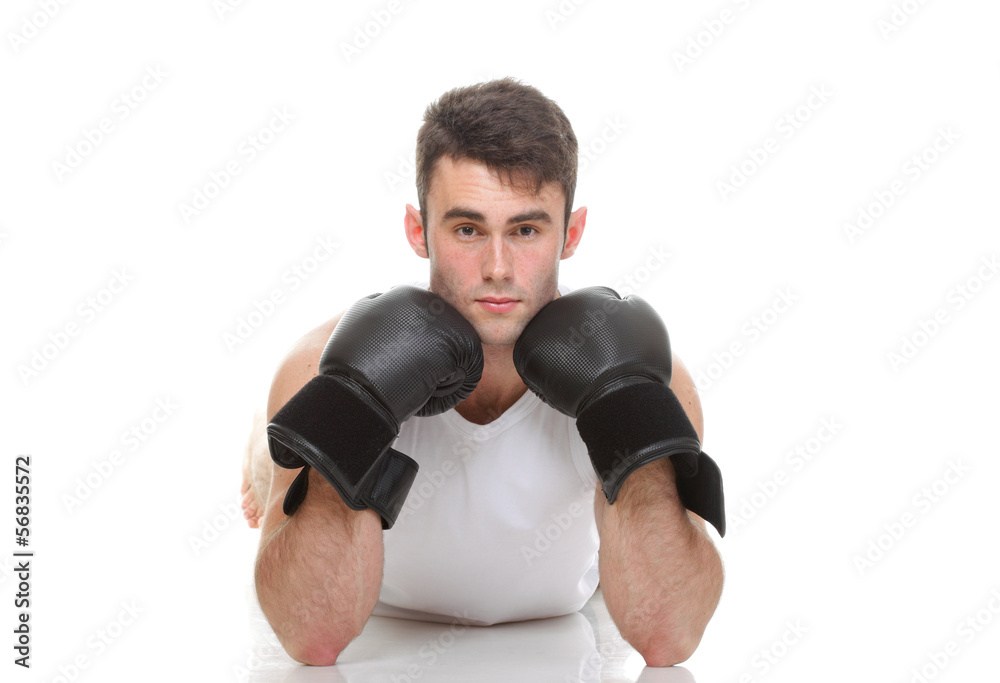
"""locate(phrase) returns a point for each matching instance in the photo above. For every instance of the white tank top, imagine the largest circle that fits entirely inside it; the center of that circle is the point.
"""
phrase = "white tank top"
(499, 524)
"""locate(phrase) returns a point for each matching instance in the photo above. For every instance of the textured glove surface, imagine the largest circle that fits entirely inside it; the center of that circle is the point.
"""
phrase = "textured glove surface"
(392, 356)
(584, 341)
(409, 348)
(606, 361)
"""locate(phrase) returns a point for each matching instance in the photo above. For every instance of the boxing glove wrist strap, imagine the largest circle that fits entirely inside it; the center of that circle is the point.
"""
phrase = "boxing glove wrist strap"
(642, 422)
(702, 494)
(384, 489)
(332, 425)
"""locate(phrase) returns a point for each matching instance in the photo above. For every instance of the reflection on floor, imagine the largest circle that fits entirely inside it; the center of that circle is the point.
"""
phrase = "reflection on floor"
(584, 646)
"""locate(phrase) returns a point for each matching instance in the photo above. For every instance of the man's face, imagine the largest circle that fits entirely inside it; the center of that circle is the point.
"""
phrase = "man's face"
(494, 249)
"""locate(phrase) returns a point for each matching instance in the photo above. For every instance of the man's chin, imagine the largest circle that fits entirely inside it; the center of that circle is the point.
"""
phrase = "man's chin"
(497, 332)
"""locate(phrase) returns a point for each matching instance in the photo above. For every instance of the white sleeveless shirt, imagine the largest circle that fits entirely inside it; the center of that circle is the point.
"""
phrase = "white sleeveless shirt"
(499, 523)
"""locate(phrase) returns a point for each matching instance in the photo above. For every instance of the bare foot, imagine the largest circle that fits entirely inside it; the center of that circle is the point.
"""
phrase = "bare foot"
(256, 473)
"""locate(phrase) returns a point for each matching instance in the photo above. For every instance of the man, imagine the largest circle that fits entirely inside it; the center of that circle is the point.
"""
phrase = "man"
(505, 515)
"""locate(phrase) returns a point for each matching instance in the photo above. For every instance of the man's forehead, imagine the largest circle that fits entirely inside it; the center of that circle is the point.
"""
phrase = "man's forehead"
(450, 176)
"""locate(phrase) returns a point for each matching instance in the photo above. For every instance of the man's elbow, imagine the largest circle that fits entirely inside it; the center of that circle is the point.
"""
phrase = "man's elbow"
(311, 636)
(666, 649)
(315, 651)
(316, 641)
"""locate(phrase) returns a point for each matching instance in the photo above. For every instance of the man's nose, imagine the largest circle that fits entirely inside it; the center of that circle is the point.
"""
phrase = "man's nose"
(497, 259)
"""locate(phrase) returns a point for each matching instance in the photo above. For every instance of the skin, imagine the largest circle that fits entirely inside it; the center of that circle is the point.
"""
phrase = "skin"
(486, 241)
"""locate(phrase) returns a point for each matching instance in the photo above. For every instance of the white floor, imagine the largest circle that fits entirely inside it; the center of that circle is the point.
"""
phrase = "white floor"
(584, 646)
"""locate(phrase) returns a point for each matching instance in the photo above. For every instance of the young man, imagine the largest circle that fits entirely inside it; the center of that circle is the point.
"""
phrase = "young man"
(516, 489)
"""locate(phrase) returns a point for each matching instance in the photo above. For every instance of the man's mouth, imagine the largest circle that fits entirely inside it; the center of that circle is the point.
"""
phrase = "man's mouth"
(497, 304)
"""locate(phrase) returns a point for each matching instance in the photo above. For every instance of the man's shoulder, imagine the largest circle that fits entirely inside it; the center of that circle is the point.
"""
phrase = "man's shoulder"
(300, 364)
(310, 345)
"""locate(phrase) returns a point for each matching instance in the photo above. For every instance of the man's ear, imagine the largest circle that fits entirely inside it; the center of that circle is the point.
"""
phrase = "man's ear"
(574, 231)
(415, 235)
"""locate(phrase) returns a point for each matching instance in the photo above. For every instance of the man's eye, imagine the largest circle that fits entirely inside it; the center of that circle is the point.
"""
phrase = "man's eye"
(467, 231)
(526, 231)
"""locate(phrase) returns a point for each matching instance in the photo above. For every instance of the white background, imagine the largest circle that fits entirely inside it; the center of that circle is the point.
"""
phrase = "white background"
(160, 527)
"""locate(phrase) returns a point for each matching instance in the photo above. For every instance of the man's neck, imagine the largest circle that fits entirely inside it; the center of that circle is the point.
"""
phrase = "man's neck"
(498, 390)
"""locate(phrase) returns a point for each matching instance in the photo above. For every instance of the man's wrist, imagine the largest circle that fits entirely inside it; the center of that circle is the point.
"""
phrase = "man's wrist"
(650, 484)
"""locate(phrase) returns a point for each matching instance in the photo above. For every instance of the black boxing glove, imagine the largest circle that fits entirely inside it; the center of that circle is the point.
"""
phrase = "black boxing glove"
(606, 361)
(392, 356)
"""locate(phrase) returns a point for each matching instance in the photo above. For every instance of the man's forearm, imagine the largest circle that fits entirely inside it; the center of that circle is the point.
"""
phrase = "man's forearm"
(319, 573)
(661, 575)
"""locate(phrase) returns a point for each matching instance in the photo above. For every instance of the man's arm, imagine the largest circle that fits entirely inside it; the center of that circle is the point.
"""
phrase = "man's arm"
(318, 573)
(661, 575)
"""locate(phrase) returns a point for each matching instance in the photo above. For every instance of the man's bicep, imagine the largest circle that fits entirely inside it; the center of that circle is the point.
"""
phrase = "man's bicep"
(299, 366)
(683, 387)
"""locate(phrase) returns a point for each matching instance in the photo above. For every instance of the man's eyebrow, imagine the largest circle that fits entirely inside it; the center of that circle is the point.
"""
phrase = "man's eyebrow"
(462, 212)
(534, 215)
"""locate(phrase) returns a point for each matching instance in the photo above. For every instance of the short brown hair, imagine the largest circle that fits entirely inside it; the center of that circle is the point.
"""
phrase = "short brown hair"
(523, 137)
